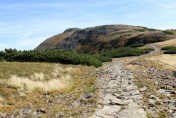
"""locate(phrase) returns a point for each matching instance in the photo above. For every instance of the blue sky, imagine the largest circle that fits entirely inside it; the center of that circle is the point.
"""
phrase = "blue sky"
(26, 23)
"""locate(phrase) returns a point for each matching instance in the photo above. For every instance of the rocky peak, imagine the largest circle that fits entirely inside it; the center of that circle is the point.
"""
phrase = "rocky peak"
(101, 38)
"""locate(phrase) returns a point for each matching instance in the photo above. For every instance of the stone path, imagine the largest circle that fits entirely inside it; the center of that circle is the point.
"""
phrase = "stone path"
(119, 97)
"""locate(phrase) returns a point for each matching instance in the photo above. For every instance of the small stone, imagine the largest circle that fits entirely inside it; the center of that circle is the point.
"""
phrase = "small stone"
(132, 113)
(135, 92)
(153, 97)
(170, 111)
(59, 115)
(152, 101)
(109, 98)
(3, 115)
(156, 83)
(137, 97)
(26, 111)
(35, 113)
(49, 101)
(161, 91)
(41, 110)
(144, 88)
(108, 110)
(131, 88)
(167, 94)
(174, 115)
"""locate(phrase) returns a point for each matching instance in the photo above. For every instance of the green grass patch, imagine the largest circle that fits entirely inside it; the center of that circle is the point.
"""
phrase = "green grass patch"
(169, 50)
(136, 45)
(168, 32)
(122, 52)
(168, 47)
(141, 30)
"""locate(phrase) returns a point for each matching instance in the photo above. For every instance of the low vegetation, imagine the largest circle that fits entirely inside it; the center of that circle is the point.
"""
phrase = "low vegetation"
(169, 49)
(137, 45)
(51, 56)
(122, 52)
(70, 57)
(168, 32)
(42, 84)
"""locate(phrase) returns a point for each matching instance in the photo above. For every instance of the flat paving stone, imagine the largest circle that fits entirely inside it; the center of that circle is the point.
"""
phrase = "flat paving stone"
(121, 96)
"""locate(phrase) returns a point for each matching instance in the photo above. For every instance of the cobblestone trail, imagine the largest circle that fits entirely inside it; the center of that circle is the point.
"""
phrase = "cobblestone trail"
(119, 97)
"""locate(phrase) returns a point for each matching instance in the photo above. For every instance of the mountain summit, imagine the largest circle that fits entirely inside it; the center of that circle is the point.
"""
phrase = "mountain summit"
(101, 38)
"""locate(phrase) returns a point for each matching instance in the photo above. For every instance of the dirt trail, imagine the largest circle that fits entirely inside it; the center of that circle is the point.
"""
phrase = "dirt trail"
(119, 96)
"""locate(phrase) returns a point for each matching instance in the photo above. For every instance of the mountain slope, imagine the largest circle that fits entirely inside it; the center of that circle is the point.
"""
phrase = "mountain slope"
(101, 38)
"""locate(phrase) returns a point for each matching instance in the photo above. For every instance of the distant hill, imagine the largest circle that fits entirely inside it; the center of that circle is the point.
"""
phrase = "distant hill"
(102, 38)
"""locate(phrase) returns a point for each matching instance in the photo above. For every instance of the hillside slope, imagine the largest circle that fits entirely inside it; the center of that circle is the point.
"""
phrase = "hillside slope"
(101, 38)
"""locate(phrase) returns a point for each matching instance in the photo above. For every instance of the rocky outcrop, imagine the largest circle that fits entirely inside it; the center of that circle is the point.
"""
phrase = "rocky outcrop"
(101, 38)
(71, 30)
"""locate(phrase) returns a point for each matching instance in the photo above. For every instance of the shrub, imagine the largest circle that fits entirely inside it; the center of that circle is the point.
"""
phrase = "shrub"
(140, 30)
(168, 32)
(121, 52)
(136, 45)
(1, 59)
(169, 50)
(168, 47)
(52, 56)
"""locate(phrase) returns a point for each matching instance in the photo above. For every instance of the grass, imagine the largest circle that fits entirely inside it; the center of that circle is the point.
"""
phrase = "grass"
(169, 49)
(163, 61)
(122, 108)
(137, 45)
(25, 69)
(26, 84)
(168, 32)
(29, 83)
(121, 52)
(166, 43)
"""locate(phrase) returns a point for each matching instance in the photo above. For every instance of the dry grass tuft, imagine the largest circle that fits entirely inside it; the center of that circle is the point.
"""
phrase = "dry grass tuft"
(37, 76)
(169, 61)
(58, 71)
(166, 43)
(26, 84)
(60, 79)
(1, 99)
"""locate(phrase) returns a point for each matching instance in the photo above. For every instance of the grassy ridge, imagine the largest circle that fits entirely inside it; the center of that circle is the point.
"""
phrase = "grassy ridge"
(169, 49)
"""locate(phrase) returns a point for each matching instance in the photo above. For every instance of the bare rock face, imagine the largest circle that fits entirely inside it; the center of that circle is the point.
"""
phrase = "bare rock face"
(101, 38)
(71, 30)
